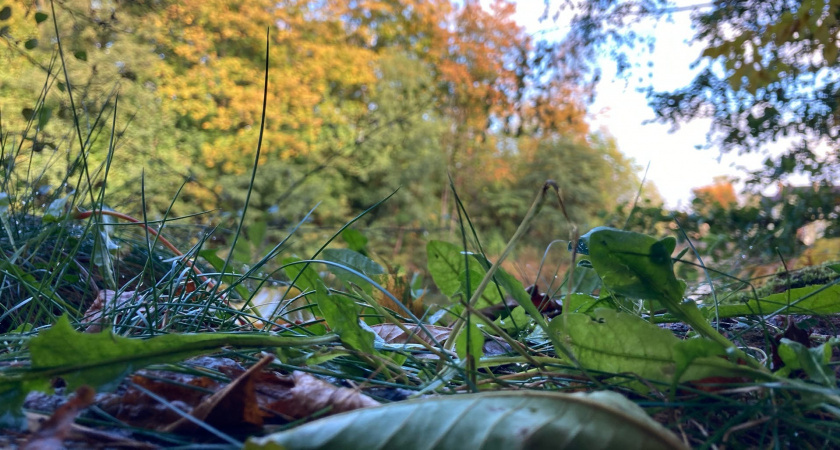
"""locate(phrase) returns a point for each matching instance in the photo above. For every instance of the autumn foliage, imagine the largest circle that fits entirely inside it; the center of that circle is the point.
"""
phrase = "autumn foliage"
(364, 97)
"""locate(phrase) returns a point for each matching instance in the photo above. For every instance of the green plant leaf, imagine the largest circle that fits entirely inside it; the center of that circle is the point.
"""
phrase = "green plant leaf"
(353, 260)
(355, 239)
(493, 420)
(583, 303)
(639, 266)
(256, 232)
(617, 342)
(40, 17)
(470, 342)
(446, 264)
(5, 13)
(812, 300)
(218, 263)
(30, 44)
(81, 55)
(242, 251)
(339, 311)
(56, 211)
(517, 321)
(633, 264)
(489, 297)
(102, 360)
(814, 361)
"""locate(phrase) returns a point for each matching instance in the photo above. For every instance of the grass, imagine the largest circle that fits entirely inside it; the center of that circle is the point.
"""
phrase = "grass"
(64, 254)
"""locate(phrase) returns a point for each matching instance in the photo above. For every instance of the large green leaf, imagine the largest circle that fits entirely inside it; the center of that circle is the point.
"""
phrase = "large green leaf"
(811, 300)
(101, 360)
(639, 266)
(633, 264)
(816, 361)
(494, 420)
(616, 342)
(446, 264)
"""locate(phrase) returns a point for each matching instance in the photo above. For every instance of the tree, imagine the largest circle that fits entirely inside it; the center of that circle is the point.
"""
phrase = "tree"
(363, 97)
(769, 72)
(720, 194)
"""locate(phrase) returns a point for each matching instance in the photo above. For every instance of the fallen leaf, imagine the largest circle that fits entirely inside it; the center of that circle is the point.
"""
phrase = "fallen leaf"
(302, 395)
(393, 334)
(52, 433)
(493, 420)
(233, 407)
(107, 300)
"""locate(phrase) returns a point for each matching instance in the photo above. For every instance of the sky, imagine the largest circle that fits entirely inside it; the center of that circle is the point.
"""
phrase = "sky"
(676, 165)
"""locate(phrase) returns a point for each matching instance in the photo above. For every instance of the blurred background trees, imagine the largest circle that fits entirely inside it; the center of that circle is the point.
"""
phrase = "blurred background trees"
(768, 79)
(364, 97)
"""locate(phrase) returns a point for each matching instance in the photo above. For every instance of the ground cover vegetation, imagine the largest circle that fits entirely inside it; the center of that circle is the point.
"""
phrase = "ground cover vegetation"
(203, 243)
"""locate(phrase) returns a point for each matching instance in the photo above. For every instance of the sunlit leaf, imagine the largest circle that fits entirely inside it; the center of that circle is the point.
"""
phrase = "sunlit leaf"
(616, 342)
(812, 300)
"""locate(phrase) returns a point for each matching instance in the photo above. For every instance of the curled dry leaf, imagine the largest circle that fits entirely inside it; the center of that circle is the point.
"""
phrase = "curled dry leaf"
(235, 406)
(302, 395)
(52, 433)
(107, 300)
(392, 334)
(282, 305)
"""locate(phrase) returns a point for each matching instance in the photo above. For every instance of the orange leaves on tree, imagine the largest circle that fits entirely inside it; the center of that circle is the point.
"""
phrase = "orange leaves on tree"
(720, 193)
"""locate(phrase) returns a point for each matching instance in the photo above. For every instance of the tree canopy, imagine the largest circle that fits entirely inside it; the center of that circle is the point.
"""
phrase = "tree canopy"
(769, 72)
(364, 97)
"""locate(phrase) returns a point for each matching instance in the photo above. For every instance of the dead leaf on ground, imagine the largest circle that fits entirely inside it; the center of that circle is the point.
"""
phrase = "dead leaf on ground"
(134, 407)
(51, 434)
(107, 300)
(302, 395)
(392, 334)
(235, 406)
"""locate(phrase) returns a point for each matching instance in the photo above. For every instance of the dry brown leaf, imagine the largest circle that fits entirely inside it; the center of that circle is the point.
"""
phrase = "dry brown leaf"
(138, 409)
(392, 334)
(302, 395)
(235, 406)
(107, 299)
(51, 434)
(93, 437)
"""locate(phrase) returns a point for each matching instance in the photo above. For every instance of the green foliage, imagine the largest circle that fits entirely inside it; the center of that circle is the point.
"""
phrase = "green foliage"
(339, 311)
(815, 362)
(615, 342)
(768, 73)
(639, 266)
(816, 299)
